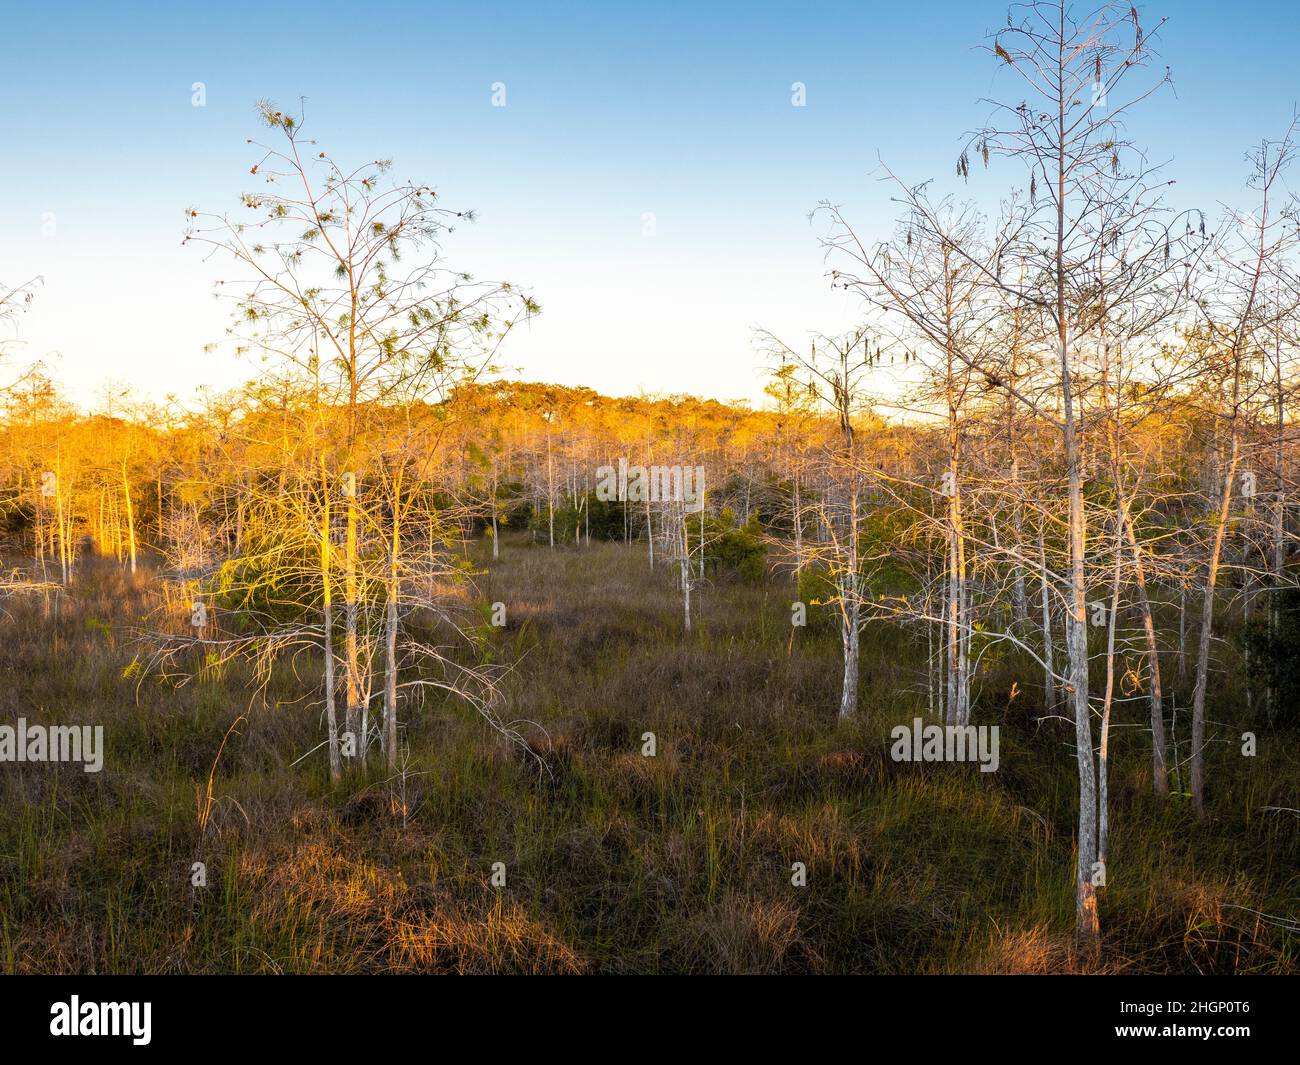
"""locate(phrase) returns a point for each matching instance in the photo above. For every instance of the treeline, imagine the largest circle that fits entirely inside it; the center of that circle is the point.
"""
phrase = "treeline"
(206, 494)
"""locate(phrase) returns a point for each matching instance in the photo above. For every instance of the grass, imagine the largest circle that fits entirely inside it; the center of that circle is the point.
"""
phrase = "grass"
(614, 862)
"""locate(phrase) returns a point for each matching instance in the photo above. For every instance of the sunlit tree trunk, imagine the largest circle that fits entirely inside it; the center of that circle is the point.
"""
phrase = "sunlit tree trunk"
(1159, 748)
(130, 515)
(327, 623)
(390, 628)
(1207, 628)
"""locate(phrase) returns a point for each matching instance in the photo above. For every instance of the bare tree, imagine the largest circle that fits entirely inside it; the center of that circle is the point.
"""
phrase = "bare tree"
(1235, 331)
(326, 290)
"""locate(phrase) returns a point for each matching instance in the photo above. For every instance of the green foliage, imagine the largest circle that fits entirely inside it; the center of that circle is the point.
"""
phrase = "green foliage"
(603, 519)
(251, 584)
(730, 549)
(883, 532)
(817, 590)
(1275, 658)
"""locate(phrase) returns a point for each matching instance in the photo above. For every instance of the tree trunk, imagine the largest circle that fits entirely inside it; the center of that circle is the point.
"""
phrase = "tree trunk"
(390, 640)
(1207, 631)
(130, 516)
(496, 533)
(1087, 921)
(686, 573)
(327, 625)
(1049, 667)
(1159, 749)
(849, 614)
(352, 651)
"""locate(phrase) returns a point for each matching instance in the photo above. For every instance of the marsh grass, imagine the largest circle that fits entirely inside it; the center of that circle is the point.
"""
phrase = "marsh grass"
(615, 862)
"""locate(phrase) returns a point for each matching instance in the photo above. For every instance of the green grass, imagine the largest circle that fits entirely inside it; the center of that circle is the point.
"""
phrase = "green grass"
(614, 862)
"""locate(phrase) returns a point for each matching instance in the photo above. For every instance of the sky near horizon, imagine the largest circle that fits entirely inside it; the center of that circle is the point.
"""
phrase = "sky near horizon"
(648, 180)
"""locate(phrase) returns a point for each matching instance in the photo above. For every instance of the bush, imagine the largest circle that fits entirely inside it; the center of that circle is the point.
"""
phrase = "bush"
(1274, 660)
(604, 519)
(730, 549)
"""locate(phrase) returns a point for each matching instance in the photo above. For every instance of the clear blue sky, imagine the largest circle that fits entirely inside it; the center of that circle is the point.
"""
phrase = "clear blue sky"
(614, 110)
